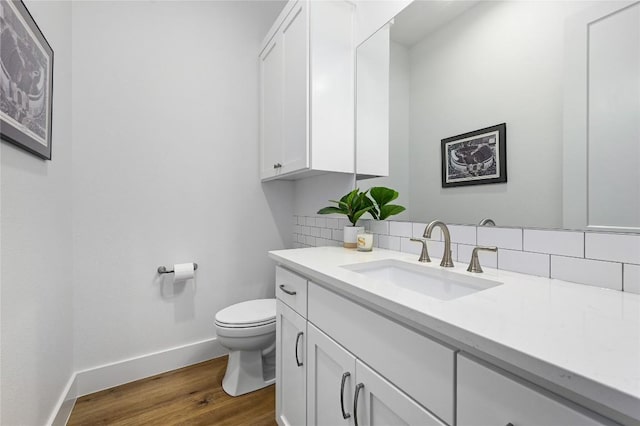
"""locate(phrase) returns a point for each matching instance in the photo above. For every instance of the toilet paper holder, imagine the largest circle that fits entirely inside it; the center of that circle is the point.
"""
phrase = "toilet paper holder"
(165, 270)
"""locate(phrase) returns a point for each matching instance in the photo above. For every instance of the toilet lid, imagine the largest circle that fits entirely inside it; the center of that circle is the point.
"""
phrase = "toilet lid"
(249, 313)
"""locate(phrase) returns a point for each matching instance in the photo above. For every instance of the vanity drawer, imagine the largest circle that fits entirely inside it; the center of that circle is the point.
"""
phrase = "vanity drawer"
(489, 397)
(292, 289)
(421, 367)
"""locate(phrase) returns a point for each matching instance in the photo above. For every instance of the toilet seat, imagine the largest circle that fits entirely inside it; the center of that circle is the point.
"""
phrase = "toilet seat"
(249, 314)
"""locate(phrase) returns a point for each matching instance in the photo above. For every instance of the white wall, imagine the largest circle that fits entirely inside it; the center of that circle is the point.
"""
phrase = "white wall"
(165, 108)
(499, 62)
(37, 294)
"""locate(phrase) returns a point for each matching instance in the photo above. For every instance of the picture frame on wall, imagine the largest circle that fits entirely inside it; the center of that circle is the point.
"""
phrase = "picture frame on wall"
(26, 81)
(475, 158)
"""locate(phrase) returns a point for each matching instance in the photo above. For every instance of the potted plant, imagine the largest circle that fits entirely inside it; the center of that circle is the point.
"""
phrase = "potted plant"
(353, 205)
(374, 201)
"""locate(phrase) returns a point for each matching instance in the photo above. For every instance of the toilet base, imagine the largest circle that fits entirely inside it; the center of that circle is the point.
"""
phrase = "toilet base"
(246, 371)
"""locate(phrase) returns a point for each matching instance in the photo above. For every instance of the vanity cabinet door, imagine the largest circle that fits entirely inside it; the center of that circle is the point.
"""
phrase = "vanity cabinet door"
(330, 381)
(488, 397)
(379, 403)
(291, 375)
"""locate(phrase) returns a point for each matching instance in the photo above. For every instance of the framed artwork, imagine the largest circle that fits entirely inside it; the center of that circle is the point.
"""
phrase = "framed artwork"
(475, 158)
(26, 81)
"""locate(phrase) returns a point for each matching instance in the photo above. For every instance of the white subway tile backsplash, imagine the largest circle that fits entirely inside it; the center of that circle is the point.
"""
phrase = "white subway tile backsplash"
(487, 259)
(554, 253)
(408, 246)
(586, 271)
(389, 242)
(631, 278)
(524, 262)
(379, 227)
(400, 229)
(418, 231)
(333, 223)
(463, 234)
(563, 243)
(508, 238)
(613, 247)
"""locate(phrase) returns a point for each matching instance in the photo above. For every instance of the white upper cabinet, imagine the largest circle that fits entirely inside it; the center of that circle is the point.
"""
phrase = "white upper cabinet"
(307, 91)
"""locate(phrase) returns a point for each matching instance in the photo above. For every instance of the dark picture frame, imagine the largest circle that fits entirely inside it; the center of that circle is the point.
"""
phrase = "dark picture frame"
(475, 158)
(26, 81)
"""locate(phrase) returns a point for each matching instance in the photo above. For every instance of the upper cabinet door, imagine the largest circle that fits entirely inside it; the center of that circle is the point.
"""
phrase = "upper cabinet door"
(271, 108)
(307, 103)
(295, 47)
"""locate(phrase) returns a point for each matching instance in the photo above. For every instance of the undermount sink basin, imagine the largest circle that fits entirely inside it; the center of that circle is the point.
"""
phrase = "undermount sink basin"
(441, 283)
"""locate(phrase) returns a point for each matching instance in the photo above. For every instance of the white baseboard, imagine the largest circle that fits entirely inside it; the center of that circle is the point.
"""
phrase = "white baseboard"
(132, 369)
(65, 404)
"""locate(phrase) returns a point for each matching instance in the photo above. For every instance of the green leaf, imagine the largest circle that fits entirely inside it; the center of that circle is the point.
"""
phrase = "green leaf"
(359, 214)
(390, 210)
(374, 211)
(330, 210)
(348, 199)
(383, 195)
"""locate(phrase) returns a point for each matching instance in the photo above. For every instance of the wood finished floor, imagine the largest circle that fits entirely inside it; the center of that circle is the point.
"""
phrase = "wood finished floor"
(189, 396)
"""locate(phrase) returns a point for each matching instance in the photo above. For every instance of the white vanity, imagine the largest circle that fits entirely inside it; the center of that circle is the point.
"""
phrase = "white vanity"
(356, 349)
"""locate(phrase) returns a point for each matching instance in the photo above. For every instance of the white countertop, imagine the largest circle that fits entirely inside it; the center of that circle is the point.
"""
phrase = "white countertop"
(584, 339)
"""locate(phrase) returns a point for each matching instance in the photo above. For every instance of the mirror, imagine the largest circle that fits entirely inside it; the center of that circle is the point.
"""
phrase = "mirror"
(459, 66)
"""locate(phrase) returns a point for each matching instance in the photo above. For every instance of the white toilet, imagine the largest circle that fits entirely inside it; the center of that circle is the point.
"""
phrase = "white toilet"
(248, 330)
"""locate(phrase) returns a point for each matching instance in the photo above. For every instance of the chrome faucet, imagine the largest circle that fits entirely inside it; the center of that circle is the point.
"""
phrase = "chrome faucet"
(447, 262)
(487, 222)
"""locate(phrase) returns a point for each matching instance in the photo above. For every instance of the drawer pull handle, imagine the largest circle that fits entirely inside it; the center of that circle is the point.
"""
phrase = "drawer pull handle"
(355, 403)
(344, 379)
(509, 424)
(297, 341)
(289, 292)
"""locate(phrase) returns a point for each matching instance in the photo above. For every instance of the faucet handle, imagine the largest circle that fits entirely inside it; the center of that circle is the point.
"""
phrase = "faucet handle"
(474, 265)
(424, 255)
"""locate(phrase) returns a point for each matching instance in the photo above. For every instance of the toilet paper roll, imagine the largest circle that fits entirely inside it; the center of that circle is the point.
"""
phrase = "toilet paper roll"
(183, 271)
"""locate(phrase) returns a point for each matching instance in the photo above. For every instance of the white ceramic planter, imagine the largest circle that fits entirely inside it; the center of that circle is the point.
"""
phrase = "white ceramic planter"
(351, 236)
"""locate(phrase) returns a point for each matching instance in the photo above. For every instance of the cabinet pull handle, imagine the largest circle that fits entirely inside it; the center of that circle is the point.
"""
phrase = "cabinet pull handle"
(289, 292)
(298, 340)
(344, 379)
(509, 424)
(277, 166)
(355, 403)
